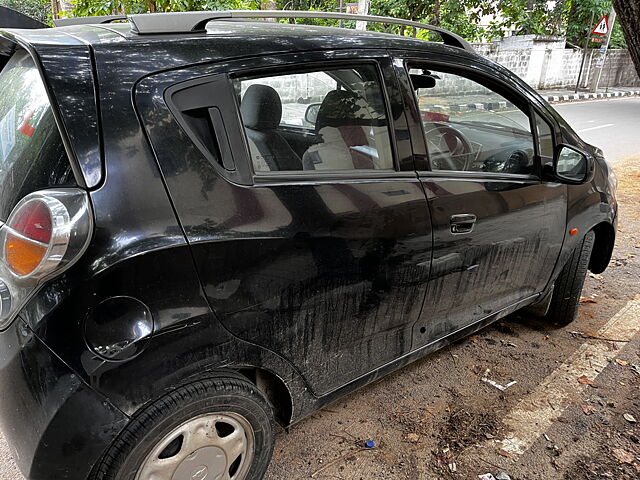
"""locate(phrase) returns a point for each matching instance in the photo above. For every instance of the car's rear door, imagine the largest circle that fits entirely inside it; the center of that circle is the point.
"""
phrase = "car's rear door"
(323, 262)
(497, 227)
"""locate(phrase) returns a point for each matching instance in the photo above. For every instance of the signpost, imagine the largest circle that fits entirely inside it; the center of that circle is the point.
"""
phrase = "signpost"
(584, 51)
(603, 26)
(603, 57)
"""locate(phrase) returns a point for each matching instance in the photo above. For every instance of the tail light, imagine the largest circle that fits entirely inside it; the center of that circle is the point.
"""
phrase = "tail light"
(45, 233)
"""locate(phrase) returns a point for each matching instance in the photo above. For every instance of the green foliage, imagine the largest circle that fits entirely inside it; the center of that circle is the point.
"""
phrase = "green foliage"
(566, 17)
(107, 7)
(38, 9)
(579, 14)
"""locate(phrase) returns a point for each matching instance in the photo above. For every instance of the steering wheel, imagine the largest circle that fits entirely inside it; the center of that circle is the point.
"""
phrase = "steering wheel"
(448, 148)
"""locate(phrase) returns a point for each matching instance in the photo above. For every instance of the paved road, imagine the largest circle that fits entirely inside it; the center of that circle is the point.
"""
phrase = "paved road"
(613, 125)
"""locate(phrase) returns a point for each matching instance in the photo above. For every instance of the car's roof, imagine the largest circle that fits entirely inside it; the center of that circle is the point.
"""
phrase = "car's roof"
(234, 33)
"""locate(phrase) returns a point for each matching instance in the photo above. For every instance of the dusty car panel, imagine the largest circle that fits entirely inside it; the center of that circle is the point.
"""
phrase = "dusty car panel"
(307, 284)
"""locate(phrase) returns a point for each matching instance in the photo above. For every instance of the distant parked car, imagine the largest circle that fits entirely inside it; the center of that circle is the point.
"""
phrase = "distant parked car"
(210, 229)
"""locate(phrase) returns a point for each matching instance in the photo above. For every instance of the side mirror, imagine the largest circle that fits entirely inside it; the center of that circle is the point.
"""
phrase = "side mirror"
(571, 165)
(311, 114)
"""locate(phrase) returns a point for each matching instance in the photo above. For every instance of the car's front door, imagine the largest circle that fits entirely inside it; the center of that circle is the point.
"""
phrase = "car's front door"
(497, 227)
(323, 254)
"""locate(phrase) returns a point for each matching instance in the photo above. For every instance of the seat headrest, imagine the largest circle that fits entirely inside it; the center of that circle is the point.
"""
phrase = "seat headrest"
(261, 107)
(343, 108)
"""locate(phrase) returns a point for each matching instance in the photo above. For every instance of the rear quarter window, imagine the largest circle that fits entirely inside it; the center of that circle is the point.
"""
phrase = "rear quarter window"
(32, 155)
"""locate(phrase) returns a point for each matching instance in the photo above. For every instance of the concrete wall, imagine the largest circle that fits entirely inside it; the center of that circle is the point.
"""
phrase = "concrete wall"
(544, 62)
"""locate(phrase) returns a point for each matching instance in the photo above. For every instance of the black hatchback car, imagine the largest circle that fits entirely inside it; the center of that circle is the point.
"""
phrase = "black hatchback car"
(212, 225)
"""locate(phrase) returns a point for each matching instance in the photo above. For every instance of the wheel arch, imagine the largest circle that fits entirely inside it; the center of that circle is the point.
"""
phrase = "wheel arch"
(603, 247)
(275, 389)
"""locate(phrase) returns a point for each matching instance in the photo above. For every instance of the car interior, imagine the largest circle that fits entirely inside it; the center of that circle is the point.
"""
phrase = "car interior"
(491, 136)
(346, 130)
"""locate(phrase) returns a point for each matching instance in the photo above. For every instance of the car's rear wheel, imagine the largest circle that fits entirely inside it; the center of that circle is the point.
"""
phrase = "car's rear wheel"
(568, 287)
(220, 428)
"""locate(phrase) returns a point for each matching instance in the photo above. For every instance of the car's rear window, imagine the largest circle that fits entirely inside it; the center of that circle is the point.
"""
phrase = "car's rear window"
(32, 156)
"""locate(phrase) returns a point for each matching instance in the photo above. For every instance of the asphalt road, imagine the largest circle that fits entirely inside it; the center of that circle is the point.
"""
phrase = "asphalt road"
(613, 124)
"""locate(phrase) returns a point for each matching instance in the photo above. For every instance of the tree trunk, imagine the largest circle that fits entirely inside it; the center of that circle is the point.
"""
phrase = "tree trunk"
(629, 17)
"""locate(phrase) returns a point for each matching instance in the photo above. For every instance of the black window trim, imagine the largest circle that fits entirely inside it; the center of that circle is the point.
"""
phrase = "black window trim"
(321, 176)
(221, 165)
(474, 73)
(552, 129)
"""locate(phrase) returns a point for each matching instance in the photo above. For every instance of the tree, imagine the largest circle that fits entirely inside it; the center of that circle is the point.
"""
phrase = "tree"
(578, 17)
(108, 7)
(38, 9)
(629, 18)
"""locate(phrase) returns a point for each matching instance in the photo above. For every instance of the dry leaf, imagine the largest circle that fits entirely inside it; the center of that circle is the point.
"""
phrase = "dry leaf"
(504, 453)
(623, 456)
(587, 300)
(584, 380)
(624, 363)
(629, 418)
(588, 409)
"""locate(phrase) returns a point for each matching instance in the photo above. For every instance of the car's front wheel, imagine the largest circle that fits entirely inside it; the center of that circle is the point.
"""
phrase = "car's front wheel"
(220, 428)
(568, 287)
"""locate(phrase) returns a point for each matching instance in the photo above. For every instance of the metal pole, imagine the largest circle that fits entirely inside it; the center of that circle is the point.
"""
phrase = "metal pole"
(341, 11)
(584, 49)
(612, 21)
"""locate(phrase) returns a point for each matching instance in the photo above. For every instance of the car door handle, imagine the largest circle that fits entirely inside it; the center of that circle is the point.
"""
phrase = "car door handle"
(462, 223)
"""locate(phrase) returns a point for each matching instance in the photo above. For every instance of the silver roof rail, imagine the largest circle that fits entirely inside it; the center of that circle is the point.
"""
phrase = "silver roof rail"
(191, 22)
(63, 22)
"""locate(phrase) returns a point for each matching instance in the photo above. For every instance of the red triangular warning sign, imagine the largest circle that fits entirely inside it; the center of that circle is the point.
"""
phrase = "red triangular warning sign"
(603, 26)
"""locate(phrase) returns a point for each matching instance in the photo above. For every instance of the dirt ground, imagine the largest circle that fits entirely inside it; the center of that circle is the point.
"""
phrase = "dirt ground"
(437, 419)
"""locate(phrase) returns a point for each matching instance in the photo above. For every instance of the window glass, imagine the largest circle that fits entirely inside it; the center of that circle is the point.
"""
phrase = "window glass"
(32, 155)
(469, 127)
(332, 119)
(545, 137)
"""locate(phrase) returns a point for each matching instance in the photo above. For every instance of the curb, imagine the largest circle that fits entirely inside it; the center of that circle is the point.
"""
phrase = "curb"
(469, 107)
(589, 96)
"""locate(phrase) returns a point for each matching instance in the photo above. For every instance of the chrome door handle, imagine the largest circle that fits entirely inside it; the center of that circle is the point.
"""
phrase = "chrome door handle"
(462, 223)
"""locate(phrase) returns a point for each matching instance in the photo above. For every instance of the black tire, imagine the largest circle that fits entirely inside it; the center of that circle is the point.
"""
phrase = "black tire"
(568, 287)
(210, 396)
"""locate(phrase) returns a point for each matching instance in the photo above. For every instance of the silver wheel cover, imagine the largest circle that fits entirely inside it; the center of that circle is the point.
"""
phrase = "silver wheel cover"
(217, 446)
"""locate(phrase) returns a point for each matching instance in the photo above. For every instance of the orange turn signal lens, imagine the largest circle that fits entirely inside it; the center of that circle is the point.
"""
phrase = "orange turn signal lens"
(23, 256)
(573, 231)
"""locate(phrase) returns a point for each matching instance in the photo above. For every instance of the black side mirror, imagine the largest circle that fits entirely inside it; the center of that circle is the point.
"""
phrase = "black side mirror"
(311, 114)
(571, 165)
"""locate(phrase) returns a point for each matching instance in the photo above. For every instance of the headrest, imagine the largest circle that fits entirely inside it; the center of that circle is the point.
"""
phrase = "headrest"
(261, 108)
(343, 108)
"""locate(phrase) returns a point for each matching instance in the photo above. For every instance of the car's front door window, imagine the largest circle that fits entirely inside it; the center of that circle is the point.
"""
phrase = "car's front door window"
(469, 127)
